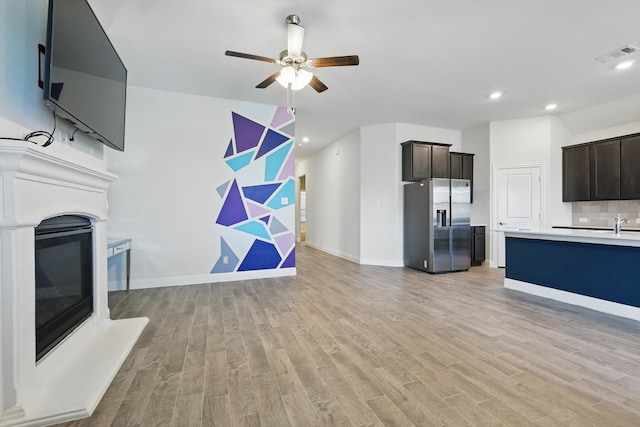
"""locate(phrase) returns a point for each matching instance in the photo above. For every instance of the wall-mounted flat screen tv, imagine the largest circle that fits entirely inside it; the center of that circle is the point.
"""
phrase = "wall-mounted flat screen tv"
(85, 80)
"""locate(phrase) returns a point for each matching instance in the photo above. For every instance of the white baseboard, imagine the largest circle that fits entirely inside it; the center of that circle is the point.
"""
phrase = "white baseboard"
(609, 307)
(162, 282)
(331, 251)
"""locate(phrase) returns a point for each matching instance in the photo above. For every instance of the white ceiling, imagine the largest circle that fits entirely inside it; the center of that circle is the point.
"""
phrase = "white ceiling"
(428, 62)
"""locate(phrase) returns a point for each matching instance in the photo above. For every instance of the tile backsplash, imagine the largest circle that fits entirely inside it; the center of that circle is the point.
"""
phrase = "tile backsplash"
(601, 214)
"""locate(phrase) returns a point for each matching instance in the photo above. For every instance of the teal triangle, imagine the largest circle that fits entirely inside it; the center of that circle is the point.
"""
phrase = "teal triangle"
(240, 161)
(274, 162)
(287, 191)
(256, 228)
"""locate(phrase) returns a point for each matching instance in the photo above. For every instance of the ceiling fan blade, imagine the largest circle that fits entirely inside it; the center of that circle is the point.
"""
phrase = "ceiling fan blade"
(249, 56)
(317, 84)
(295, 36)
(267, 82)
(334, 61)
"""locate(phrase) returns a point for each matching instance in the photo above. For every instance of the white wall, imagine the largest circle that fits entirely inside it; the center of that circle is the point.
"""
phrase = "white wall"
(406, 132)
(165, 198)
(558, 212)
(369, 231)
(23, 26)
(531, 142)
(476, 140)
(535, 141)
(604, 133)
(380, 196)
(333, 197)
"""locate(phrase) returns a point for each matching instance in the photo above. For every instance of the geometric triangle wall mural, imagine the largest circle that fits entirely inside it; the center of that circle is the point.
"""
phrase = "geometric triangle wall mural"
(257, 190)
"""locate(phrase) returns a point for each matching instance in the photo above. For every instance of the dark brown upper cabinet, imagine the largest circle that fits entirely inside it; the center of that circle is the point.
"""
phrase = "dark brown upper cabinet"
(604, 170)
(629, 167)
(461, 167)
(439, 161)
(424, 160)
(575, 173)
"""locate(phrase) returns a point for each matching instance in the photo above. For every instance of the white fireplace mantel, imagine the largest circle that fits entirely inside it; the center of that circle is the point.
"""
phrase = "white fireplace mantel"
(37, 183)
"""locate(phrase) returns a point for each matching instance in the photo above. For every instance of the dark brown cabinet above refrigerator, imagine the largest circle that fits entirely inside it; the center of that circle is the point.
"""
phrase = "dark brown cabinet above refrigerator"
(461, 167)
(602, 170)
(424, 160)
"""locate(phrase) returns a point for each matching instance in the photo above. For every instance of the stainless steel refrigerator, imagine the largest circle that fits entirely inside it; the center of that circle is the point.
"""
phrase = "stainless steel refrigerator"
(437, 231)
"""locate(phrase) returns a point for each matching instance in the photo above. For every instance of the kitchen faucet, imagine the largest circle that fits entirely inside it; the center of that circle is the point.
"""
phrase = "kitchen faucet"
(617, 224)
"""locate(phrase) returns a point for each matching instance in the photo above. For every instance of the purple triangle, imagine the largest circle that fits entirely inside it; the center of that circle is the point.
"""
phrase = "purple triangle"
(256, 210)
(285, 242)
(265, 219)
(289, 167)
(229, 151)
(291, 259)
(271, 140)
(233, 210)
(247, 132)
(281, 117)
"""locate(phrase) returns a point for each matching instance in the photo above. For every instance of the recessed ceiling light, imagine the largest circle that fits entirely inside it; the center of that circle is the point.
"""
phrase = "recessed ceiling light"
(299, 144)
(305, 139)
(624, 65)
(495, 95)
(550, 107)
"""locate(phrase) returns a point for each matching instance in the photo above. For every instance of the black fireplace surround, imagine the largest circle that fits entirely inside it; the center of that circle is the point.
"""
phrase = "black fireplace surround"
(64, 278)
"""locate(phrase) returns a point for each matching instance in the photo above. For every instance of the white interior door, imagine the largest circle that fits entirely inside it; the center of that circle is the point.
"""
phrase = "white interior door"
(518, 199)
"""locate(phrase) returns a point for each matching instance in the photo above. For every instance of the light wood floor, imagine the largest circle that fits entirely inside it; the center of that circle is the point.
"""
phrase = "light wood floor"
(349, 345)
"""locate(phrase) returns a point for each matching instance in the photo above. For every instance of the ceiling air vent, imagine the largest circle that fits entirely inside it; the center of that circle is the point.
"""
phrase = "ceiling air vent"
(618, 53)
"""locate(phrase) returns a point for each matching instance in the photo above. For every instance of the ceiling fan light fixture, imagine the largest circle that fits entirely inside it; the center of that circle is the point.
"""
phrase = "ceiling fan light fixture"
(296, 78)
(303, 77)
(287, 76)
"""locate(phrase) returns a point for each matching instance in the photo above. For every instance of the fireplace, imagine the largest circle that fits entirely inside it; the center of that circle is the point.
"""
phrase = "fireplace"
(54, 209)
(64, 278)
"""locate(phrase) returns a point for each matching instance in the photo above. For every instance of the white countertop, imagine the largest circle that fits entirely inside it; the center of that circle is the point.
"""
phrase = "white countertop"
(599, 237)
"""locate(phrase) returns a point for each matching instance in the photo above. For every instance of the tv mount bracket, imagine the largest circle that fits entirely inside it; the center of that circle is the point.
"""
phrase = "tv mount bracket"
(41, 51)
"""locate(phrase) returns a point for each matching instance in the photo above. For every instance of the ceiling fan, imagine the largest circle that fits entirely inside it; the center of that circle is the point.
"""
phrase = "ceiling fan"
(294, 61)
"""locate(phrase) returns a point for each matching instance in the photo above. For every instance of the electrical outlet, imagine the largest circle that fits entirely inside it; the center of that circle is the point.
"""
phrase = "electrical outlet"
(64, 137)
(583, 220)
(225, 259)
(637, 220)
(284, 200)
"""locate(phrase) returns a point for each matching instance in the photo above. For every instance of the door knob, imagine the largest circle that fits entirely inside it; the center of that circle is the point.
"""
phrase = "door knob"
(502, 223)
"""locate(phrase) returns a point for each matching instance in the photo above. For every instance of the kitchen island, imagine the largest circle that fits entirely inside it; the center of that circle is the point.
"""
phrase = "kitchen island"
(596, 269)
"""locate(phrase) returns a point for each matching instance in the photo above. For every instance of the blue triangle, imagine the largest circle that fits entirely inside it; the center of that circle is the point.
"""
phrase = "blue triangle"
(259, 193)
(277, 227)
(271, 140)
(229, 151)
(232, 259)
(222, 188)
